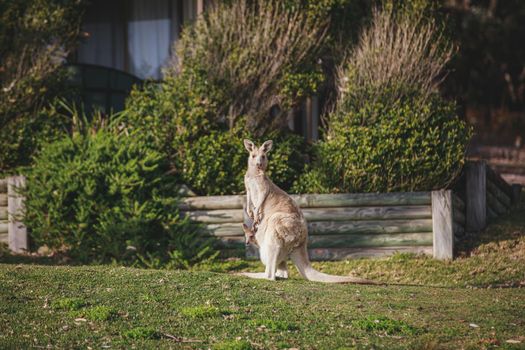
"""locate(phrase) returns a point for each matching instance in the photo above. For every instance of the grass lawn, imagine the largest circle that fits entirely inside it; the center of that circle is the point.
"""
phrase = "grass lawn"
(476, 301)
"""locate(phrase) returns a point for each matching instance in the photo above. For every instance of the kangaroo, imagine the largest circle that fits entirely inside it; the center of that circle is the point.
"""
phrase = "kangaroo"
(279, 228)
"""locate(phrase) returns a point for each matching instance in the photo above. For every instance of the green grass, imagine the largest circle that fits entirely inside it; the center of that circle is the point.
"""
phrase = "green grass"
(233, 345)
(474, 302)
(385, 325)
(96, 313)
(71, 304)
(203, 312)
(141, 333)
(494, 258)
(261, 314)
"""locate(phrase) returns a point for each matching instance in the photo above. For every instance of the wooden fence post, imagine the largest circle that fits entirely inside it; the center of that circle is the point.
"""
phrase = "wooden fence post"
(443, 224)
(17, 232)
(516, 194)
(476, 195)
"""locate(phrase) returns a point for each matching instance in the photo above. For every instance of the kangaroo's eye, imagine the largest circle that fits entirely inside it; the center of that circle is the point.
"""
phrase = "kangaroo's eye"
(263, 157)
(253, 155)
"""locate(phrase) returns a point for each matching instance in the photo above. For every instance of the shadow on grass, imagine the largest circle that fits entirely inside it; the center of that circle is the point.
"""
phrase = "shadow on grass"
(16, 259)
(221, 265)
(508, 227)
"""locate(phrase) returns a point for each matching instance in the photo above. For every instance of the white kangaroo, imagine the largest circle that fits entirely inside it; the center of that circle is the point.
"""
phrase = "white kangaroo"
(279, 228)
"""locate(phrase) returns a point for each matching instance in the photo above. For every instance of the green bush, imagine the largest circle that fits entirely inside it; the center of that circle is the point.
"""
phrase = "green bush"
(103, 195)
(407, 146)
(172, 115)
(390, 130)
(215, 163)
(218, 92)
(205, 154)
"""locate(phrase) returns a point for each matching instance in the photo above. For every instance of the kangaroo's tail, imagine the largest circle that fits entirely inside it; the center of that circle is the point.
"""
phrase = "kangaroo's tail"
(300, 258)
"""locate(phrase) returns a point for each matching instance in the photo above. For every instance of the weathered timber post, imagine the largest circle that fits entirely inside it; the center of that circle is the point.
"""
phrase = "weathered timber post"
(516, 194)
(476, 195)
(443, 224)
(17, 232)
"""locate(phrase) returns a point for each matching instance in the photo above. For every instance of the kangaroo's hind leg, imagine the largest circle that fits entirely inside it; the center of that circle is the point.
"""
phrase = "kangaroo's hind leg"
(272, 261)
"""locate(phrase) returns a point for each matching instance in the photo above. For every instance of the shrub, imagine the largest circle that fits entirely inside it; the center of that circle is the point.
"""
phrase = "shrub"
(390, 130)
(103, 195)
(215, 164)
(180, 108)
(221, 88)
(261, 54)
(400, 55)
(21, 137)
(206, 155)
(410, 146)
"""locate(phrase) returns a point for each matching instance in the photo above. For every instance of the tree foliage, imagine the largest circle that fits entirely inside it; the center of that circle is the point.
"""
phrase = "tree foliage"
(35, 38)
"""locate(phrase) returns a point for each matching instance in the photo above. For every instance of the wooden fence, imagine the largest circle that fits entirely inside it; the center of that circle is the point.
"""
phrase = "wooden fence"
(343, 226)
(12, 231)
(488, 195)
(340, 226)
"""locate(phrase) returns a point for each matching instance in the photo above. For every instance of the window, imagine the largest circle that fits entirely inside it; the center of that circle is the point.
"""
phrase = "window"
(135, 36)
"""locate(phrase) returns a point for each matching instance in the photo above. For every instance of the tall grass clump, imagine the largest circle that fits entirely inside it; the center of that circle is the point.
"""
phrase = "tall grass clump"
(401, 54)
(390, 129)
(262, 54)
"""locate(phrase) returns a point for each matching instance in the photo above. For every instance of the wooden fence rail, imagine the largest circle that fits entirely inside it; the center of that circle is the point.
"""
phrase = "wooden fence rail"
(488, 195)
(340, 226)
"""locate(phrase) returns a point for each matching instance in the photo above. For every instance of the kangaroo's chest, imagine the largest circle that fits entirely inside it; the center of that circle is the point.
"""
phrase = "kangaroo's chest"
(254, 185)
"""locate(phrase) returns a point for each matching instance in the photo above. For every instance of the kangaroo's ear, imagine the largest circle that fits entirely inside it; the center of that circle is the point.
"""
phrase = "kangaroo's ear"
(245, 228)
(267, 146)
(250, 146)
